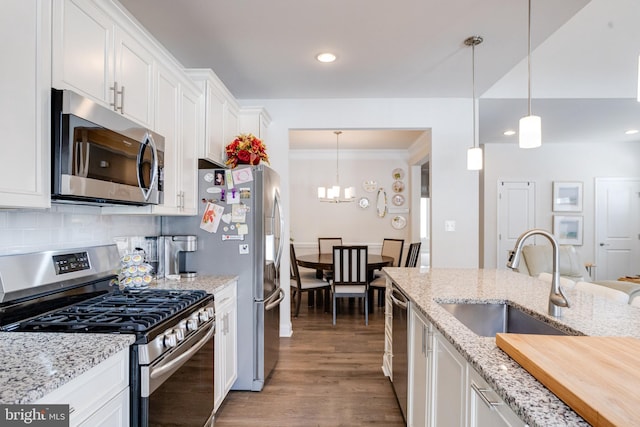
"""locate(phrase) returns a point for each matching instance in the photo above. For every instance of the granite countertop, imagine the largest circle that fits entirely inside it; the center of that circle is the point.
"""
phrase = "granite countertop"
(529, 399)
(33, 364)
(207, 283)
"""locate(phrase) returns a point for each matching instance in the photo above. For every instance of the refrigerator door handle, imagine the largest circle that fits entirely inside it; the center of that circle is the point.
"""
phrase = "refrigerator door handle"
(274, 304)
(278, 206)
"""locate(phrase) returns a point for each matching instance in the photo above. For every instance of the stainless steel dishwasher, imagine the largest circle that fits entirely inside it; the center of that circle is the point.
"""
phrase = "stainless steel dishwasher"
(400, 363)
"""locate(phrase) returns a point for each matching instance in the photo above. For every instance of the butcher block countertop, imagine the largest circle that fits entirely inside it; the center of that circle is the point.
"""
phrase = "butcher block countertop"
(597, 376)
(588, 315)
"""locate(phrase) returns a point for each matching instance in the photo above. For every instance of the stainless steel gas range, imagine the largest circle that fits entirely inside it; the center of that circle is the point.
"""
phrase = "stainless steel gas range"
(171, 362)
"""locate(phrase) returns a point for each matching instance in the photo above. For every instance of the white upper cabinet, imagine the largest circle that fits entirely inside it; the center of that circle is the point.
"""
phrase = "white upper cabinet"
(133, 79)
(254, 120)
(95, 57)
(82, 57)
(220, 115)
(166, 116)
(189, 127)
(25, 37)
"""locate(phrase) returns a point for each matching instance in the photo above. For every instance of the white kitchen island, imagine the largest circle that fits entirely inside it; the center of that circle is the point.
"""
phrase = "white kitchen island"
(524, 396)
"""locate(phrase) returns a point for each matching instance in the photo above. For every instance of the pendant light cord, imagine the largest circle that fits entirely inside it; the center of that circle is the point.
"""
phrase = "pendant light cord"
(337, 132)
(473, 89)
(529, 55)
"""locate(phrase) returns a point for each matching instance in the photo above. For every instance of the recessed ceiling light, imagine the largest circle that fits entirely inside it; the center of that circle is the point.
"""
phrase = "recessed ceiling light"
(631, 132)
(326, 57)
(509, 132)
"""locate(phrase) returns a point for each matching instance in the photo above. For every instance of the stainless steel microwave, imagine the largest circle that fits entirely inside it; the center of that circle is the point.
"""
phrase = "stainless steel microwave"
(101, 157)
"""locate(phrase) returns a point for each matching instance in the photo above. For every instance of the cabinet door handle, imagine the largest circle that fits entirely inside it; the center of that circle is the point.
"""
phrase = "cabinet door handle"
(226, 323)
(122, 100)
(481, 392)
(114, 88)
(117, 92)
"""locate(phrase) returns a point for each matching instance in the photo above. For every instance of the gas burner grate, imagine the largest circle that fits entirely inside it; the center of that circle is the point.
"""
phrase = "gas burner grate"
(120, 311)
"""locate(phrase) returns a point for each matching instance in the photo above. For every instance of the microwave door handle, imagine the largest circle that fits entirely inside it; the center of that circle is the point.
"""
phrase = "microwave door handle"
(82, 156)
(147, 140)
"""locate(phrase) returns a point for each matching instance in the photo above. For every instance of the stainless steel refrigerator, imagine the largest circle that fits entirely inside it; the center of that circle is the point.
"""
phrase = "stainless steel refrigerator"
(246, 242)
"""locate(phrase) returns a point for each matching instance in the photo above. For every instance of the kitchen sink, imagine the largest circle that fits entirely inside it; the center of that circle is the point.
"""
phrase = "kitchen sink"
(487, 319)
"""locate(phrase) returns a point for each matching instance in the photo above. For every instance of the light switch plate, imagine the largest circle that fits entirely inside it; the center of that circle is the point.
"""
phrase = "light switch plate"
(243, 248)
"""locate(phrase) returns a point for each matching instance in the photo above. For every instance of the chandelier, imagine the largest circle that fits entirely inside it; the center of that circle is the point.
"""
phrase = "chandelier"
(332, 194)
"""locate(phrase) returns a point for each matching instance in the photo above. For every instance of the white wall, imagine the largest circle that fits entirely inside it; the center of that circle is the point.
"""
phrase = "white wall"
(310, 218)
(553, 162)
(66, 226)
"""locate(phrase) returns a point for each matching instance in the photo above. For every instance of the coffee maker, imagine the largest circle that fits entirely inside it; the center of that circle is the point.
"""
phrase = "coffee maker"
(171, 255)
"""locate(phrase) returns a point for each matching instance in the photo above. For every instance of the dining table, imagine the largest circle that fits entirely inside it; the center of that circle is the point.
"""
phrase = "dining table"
(324, 262)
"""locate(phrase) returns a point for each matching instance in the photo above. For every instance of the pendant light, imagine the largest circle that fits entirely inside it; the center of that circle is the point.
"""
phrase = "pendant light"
(332, 194)
(474, 154)
(530, 134)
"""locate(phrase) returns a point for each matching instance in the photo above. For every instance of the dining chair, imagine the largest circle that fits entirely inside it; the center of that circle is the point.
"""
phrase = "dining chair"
(413, 254)
(325, 244)
(304, 281)
(350, 276)
(392, 248)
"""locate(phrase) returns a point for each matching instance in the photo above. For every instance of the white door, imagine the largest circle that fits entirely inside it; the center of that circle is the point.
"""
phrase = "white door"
(516, 214)
(617, 225)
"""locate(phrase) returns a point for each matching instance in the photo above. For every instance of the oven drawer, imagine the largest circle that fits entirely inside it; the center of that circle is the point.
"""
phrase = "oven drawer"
(87, 393)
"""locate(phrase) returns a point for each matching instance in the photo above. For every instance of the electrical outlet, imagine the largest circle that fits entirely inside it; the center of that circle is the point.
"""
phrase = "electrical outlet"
(450, 225)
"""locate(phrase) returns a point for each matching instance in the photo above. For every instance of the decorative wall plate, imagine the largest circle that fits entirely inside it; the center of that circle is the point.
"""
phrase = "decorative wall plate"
(363, 202)
(398, 186)
(398, 222)
(398, 200)
(369, 186)
(397, 174)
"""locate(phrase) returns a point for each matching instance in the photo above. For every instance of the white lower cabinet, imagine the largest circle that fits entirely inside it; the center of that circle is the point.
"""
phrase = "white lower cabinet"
(226, 342)
(114, 413)
(98, 397)
(448, 385)
(444, 389)
(485, 406)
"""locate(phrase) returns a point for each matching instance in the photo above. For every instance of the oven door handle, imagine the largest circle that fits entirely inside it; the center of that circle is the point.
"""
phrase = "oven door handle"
(162, 369)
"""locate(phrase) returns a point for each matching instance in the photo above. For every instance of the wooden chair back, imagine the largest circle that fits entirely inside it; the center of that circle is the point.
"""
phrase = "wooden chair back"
(413, 255)
(393, 248)
(350, 265)
(325, 244)
(294, 272)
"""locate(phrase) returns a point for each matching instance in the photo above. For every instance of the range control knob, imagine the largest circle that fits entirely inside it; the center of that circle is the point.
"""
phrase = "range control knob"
(210, 312)
(203, 315)
(169, 340)
(192, 324)
(179, 332)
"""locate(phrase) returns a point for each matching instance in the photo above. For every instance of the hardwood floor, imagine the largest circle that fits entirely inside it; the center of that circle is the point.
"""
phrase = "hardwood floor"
(326, 376)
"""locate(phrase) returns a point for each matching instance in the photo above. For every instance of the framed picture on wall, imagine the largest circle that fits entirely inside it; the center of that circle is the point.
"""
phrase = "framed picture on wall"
(568, 229)
(567, 196)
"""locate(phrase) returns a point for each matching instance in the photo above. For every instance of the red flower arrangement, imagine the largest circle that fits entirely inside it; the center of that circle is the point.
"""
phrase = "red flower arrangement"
(246, 149)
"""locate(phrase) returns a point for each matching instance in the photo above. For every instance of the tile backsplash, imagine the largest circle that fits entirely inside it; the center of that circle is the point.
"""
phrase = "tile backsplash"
(68, 226)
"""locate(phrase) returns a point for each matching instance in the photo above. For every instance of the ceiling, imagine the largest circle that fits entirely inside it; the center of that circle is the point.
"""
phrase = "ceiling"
(585, 59)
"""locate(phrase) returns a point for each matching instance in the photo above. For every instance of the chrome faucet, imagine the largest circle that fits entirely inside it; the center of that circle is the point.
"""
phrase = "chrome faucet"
(556, 297)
